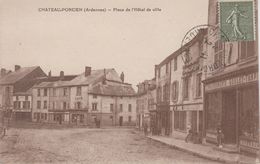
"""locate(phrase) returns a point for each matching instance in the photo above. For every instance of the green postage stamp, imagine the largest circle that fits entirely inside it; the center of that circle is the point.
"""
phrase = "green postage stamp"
(237, 19)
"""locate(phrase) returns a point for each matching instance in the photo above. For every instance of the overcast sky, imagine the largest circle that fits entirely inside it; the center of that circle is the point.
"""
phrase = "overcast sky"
(132, 42)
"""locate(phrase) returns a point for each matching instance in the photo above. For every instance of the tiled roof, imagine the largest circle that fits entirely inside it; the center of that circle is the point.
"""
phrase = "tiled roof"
(112, 90)
(17, 75)
(95, 76)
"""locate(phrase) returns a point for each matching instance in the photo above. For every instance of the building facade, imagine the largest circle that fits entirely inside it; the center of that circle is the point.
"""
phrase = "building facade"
(231, 90)
(146, 104)
(91, 97)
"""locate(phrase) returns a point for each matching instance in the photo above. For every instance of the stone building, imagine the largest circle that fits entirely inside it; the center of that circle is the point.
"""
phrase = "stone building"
(15, 91)
(146, 103)
(92, 96)
(231, 89)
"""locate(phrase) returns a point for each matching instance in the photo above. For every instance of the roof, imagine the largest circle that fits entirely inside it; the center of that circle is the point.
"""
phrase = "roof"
(95, 76)
(15, 76)
(112, 90)
(202, 33)
(50, 84)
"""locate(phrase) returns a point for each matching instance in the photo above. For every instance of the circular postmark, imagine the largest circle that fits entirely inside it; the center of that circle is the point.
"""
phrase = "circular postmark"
(205, 34)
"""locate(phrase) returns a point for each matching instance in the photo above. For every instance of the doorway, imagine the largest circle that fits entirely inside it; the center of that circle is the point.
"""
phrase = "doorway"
(120, 120)
(229, 117)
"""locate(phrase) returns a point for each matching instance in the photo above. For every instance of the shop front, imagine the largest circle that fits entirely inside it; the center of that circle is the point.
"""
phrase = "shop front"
(163, 120)
(231, 104)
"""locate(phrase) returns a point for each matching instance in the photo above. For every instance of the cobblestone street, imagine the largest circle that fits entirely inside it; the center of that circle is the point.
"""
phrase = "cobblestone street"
(87, 146)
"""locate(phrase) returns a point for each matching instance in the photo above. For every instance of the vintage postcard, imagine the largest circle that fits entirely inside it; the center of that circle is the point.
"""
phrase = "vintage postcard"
(129, 82)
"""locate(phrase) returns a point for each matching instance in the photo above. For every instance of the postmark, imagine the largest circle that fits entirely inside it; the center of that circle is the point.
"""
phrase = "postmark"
(237, 19)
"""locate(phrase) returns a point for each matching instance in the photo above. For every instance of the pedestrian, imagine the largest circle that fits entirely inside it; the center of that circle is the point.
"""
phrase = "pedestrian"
(220, 137)
(145, 129)
(189, 136)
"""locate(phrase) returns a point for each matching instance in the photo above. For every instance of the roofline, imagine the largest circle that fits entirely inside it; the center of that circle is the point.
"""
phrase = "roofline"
(100, 94)
(181, 49)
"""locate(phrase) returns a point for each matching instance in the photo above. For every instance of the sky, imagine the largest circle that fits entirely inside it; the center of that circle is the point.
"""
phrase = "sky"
(132, 42)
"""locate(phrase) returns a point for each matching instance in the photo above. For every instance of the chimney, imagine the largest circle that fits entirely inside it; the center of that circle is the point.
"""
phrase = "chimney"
(3, 72)
(49, 74)
(61, 74)
(87, 71)
(122, 77)
(17, 67)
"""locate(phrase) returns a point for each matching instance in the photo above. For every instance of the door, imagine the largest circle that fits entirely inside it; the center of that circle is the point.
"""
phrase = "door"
(229, 117)
(120, 120)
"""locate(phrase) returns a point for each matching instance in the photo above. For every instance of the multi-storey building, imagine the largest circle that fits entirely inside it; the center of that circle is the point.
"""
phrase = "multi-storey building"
(231, 88)
(145, 103)
(163, 81)
(92, 96)
(15, 92)
(186, 87)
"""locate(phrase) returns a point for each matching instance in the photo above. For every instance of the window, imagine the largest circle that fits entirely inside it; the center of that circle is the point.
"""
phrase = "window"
(54, 91)
(180, 120)
(94, 96)
(38, 92)
(166, 93)
(94, 106)
(129, 107)
(17, 98)
(45, 91)
(175, 88)
(219, 53)
(186, 87)
(78, 105)
(78, 91)
(45, 105)
(129, 118)
(65, 90)
(34, 115)
(53, 105)
(121, 107)
(198, 85)
(45, 116)
(175, 63)
(42, 115)
(247, 49)
(159, 94)
(111, 107)
(24, 105)
(38, 104)
(167, 68)
(159, 72)
(64, 105)
(26, 98)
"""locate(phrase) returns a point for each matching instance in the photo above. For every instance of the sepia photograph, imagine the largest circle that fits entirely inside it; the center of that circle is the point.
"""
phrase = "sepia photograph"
(129, 82)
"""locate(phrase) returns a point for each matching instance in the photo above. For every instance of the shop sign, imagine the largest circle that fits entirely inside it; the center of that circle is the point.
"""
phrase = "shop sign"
(249, 143)
(243, 79)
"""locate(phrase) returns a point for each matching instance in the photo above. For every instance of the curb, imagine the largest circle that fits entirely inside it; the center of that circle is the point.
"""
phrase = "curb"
(198, 154)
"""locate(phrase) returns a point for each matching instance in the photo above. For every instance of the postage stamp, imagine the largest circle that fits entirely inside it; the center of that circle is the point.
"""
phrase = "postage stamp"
(237, 19)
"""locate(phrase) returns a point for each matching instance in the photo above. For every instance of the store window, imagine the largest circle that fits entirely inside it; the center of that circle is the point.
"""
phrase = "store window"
(249, 113)
(180, 120)
(213, 111)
